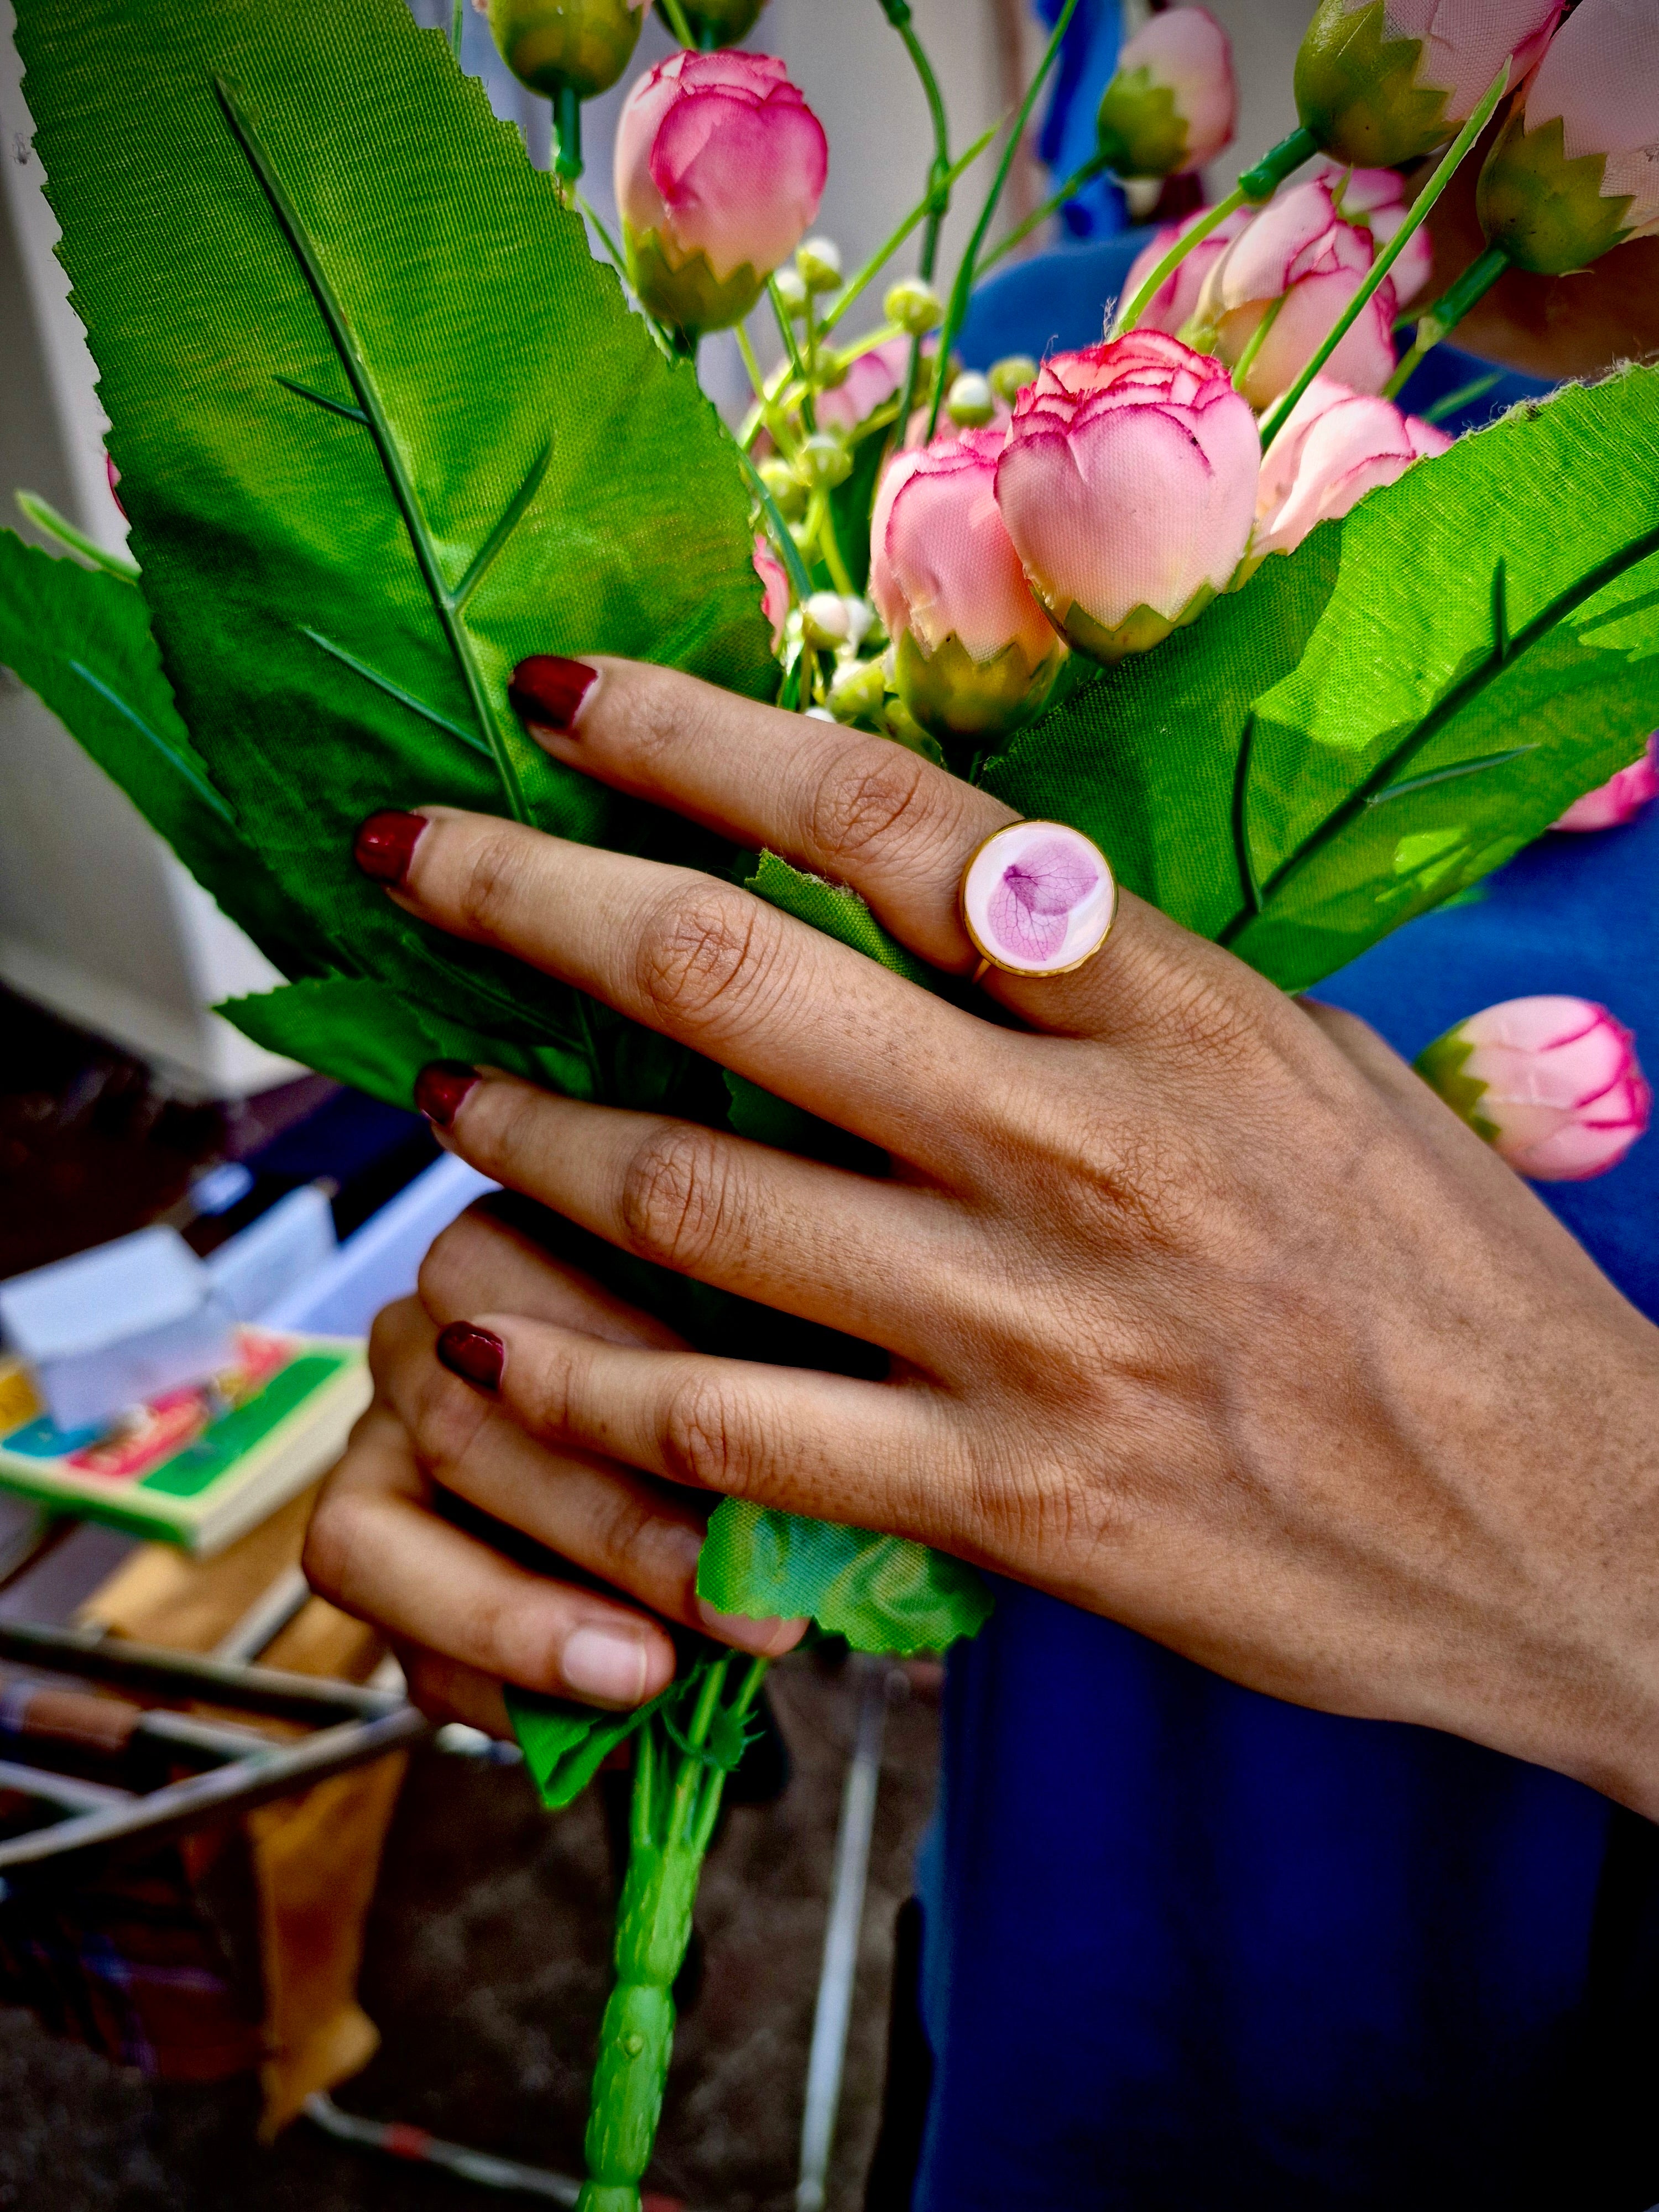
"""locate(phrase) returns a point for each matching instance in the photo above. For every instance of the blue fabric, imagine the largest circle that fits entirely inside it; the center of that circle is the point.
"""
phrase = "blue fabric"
(1088, 56)
(1188, 1947)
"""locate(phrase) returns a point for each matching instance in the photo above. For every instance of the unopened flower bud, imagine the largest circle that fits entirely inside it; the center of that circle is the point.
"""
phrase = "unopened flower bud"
(1551, 1084)
(1010, 376)
(819, 260)
(1620, 798)
(792, 291)
(822, 462)
(581, 45)
(1171, 103)
(857, 692)
(718, 22)
(970, 401)
(824, 621)
(913, 306)
(786, 488)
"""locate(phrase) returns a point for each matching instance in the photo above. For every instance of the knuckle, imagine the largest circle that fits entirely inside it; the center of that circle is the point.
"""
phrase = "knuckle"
(489, 890)
(674, 1195)
(334, 1543)
(866, 802)
(449, 1273)
(705, 953)
(702, 1433)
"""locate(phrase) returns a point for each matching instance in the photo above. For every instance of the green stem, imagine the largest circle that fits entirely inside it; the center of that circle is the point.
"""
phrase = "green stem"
(821, 522)
(1093, 168)
(786, 330)
(924, 206)
(456, 24)
(568, 136)
(788, 551)
(938, 201)
(678, 24)
(768, 410)
(1279, 413)
(957, 312)
(1438, 321)
(45, 516)
(1255, 186)
(678, 1788)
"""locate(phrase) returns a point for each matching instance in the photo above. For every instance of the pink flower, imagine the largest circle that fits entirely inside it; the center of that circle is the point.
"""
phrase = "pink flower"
(1551, 1084)
(1172, 305)
(1038, 898)
(720, 169)
(1301, 264)
(1621, 798)
(1375, 199)
(872, 379)
(1129, 485)
(1576, 172)
(775, 589)
(1335, 447)
(1411, 102)
(1172, 103)
(974, 653)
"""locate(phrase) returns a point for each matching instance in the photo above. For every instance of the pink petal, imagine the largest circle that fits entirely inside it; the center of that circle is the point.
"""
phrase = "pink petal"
(740, 180)
(946, 563)
(1038, 896)
(1620, 798)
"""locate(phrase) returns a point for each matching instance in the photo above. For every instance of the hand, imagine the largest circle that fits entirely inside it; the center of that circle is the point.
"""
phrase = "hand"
(1202, 1312)
(463, 1617)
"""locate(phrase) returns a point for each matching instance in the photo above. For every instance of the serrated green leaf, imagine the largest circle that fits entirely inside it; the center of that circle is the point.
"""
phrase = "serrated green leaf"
(1268, 776)
(368, 386)
(836, 910)
(80, 638)
(564, 1746)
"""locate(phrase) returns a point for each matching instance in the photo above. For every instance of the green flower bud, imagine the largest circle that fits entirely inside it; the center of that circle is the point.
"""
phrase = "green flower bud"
(786, 488)
(913, 306)
(1010, 377)
(825, 623)
(583, 46)
(822, 462)
(858, 691)
(719, 23)
(792, 291)
(971, 403)
(819, 260)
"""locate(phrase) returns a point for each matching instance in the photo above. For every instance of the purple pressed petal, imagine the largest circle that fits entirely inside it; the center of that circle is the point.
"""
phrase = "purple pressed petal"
(1018, 931)
(1051, 878)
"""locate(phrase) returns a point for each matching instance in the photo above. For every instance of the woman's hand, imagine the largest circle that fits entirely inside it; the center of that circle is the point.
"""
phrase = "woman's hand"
(1202, 1312)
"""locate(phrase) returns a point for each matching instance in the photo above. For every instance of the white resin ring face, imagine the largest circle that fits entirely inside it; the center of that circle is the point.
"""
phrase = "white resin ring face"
(1038, 898)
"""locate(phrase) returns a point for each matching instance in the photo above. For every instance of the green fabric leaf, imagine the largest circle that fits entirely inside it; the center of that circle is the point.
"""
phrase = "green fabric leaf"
(1386, 715)
(363, 1034)
(881, 1593)
(384, 427)
(838, 912)
(565, 1745)
(80, 638)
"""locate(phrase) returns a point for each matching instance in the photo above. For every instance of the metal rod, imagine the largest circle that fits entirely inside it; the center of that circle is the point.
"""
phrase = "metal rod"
(62, 1789)
(399, 2140)
(269, 1690)
(834, 2014)
(264, 1619)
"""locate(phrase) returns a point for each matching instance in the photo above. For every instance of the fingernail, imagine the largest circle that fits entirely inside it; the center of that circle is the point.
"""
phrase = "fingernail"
(477, 1355)
(548, 690)
(766, 1638)
(384, 845)
(439, 1089)
(599, 1663)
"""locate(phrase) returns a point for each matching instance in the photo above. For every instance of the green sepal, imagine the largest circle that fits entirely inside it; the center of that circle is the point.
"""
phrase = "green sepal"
(583, 46)
(1140, 629)
(1442, 1065)
(881, 1593)
(686, 293)
(1357, 89)
(954, 696)
(718, 22)
(1142, 132)
(1548, 214)
(565, 1745)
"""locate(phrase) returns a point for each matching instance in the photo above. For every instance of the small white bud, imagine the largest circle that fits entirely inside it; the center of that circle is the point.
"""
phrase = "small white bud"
(860, 616)
(856, 689)
(792, 291)
(913, 306)
(819, 260)
(824, 621)
(970, 401)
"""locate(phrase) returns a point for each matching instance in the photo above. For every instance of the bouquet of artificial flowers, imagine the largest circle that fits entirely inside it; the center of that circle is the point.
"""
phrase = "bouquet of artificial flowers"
(1199, 599)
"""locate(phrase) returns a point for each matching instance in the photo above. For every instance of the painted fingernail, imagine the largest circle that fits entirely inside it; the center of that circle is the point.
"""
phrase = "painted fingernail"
(439, 1089)
(548, 690)
(477, 1355)
(384, 845)
(766, 1637)
(599, 1664)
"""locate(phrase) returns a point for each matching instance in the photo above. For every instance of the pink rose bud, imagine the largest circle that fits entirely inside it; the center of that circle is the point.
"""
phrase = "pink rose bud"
(1335, 447)
(1128, 486)
(1375, 199)
(870, 382)
(1380, 81)
(1283, 283)
(1038, 898)
(1550, 1082)
(1172, 104)
(1621, 798)
(1173, 306)
(720, 169)
(553, 45)
(775, 590)
(1576, 169)
(973, 655)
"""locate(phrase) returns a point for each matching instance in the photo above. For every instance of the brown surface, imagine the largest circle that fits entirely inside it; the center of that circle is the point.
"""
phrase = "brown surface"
(487, 1966)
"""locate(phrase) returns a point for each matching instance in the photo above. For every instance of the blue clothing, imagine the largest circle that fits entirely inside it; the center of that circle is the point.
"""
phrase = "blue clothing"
(1188, 1947)
(1088, 57)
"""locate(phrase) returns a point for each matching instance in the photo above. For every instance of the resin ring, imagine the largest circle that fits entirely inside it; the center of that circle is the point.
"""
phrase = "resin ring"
(1037, 899)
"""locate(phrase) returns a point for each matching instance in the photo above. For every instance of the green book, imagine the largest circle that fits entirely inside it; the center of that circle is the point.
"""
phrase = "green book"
(199, 1467)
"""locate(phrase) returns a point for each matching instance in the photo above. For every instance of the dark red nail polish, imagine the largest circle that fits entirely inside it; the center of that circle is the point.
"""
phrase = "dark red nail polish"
(477, 1355)
(439, 1089)
(548, 690)
(384, 845)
